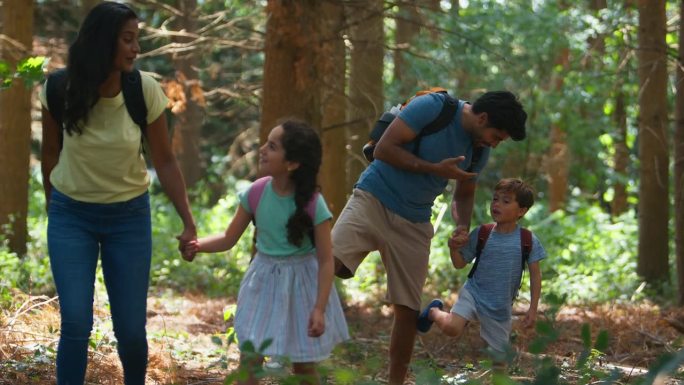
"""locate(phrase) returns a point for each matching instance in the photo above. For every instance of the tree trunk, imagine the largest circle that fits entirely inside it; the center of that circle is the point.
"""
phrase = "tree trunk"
(621, 159)
(15, 127)
(332, 67)
(619, 204)
(289, 64)
(558, 156)
(679, 160)
(365, 79)
(188, 123)
(407, 29)
(653, 143)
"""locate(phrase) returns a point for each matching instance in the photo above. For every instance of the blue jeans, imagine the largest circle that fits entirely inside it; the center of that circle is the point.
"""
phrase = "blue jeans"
(121, 233)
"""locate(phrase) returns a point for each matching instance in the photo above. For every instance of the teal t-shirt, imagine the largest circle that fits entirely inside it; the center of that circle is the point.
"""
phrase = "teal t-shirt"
(411, 194)
(271, 218)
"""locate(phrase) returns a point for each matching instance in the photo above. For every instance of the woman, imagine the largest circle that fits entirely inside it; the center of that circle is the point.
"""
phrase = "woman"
(96, 184)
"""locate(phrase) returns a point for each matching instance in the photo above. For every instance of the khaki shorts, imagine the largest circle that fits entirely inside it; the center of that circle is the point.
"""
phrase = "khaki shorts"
(366, 225)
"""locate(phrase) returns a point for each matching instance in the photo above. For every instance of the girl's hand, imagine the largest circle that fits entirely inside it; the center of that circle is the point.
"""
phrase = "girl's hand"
(316, 323)
(190, 250)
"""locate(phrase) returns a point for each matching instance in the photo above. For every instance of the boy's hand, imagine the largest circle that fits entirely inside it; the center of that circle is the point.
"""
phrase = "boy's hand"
(316, 323)
(530, 319)
(459, 238)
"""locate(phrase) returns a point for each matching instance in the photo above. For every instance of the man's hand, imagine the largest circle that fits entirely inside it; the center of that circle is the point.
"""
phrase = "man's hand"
(448, 168)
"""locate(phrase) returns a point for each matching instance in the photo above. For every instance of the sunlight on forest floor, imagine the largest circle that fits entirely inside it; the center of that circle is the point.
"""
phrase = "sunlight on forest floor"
(188, 341)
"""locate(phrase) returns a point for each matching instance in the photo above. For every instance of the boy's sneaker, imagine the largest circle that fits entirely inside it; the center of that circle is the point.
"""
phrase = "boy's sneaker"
(424, 324)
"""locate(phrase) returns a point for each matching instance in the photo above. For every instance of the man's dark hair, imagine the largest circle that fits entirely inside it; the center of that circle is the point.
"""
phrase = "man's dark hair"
(504, 112)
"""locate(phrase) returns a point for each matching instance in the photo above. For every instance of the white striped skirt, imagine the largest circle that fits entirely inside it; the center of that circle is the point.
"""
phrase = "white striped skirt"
(275, 300)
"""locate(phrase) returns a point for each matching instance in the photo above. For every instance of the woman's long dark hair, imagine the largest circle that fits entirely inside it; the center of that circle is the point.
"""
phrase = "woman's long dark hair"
(302, 145)
(91, 58)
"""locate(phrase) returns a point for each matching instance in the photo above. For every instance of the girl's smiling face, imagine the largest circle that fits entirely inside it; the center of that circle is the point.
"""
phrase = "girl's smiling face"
(127, 47)
(272, 155)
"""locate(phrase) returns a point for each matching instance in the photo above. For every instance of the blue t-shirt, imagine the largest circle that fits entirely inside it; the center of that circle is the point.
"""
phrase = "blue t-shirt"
(411, 194)
(272, 215)
(497, 278)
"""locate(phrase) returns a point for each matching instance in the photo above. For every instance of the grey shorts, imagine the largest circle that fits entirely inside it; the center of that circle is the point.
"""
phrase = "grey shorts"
(495, 333)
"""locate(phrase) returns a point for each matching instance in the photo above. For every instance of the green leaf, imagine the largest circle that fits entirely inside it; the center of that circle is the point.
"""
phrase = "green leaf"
(544, 328)
(344, 376)
(586, 335)
(601, 343)
(216, 340)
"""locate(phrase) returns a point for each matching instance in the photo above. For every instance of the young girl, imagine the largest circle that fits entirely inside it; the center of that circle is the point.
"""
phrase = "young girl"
(286, 295)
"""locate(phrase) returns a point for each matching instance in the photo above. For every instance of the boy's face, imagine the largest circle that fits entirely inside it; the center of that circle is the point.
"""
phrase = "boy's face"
(504, 207)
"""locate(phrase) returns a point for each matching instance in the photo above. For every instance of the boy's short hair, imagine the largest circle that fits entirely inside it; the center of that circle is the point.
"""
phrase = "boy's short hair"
(524, 193)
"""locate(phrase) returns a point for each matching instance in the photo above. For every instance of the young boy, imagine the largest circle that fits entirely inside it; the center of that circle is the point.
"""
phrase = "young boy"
(488, 293)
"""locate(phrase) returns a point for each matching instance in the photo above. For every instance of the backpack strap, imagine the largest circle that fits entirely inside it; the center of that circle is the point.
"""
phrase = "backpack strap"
(256, 190)
(482, 236)
(475, 159)
(446, 115)
(525, 245)
(254, 194)
(132, 89)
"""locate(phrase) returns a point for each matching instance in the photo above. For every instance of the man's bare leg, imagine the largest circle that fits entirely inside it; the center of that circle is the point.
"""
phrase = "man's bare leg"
(341, 270)
(401, 343)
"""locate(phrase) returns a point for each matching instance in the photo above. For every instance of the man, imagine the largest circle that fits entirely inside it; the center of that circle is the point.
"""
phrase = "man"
(390, 207)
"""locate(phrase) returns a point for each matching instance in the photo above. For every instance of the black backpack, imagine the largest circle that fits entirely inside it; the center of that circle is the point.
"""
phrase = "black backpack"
(442, 120)
(131, 87)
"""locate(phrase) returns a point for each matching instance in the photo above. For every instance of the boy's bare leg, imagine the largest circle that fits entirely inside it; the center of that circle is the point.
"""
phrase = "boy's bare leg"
(401, 343)
(307, 369)
(449, 323)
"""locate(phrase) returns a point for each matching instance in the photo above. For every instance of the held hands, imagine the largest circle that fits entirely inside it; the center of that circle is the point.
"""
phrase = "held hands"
(316, 323)
(189, 252)
(448, 168)
(459, 238)
(189, 235)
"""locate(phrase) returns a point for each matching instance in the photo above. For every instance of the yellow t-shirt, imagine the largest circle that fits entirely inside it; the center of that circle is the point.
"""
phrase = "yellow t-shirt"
(104, 164)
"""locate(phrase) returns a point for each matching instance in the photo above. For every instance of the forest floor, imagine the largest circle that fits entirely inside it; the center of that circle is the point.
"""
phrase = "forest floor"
(187, 335)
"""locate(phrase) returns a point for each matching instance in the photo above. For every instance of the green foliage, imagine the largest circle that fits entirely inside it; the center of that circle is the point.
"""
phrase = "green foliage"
(30, 70)
(213, 274)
